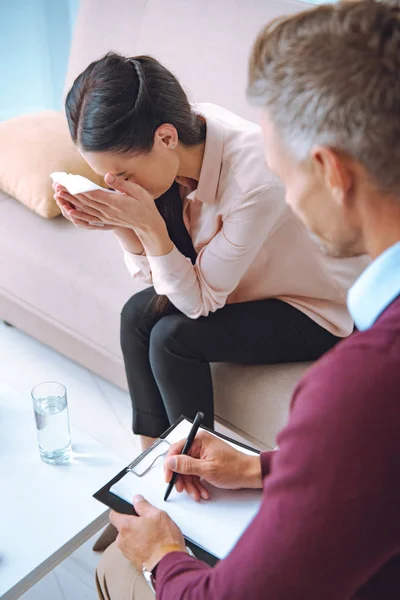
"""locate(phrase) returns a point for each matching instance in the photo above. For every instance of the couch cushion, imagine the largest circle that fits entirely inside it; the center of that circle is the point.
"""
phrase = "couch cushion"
(256, 399)
(31, 147)
(72, 278)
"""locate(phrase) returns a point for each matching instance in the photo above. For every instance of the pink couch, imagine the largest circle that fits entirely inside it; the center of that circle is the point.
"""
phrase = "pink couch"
(66, 286)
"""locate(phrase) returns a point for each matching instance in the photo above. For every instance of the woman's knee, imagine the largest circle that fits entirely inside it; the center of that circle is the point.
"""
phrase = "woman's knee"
(134, 313)
(171, 334)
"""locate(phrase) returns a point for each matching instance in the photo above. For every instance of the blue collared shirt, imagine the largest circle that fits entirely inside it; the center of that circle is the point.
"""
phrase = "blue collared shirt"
(375, 289)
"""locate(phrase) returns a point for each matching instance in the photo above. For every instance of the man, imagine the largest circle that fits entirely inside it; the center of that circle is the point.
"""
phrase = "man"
(329, 526)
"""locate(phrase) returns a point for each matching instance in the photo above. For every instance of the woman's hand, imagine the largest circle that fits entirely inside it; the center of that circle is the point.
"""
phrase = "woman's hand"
(212, 460)
(134, 208)
(73, 210)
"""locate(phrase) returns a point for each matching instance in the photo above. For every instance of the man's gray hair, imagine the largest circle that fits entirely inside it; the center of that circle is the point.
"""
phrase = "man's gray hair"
(331, 76)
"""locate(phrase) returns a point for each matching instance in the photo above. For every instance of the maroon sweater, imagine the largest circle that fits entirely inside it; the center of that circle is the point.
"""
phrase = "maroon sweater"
(329, 524)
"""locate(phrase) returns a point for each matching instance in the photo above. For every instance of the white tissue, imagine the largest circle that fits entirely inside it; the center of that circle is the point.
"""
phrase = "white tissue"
(76, 184)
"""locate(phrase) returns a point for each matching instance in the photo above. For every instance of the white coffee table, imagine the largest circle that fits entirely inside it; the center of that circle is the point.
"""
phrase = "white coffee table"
(46, 512)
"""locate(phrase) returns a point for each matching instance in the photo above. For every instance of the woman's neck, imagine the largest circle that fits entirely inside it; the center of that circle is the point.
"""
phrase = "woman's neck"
(191, 160)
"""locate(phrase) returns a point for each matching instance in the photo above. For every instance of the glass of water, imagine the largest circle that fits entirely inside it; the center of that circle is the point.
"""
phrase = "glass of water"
(52, 422)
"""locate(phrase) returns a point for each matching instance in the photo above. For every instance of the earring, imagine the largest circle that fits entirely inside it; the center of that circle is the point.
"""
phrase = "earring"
(337, 192)
(172, 147)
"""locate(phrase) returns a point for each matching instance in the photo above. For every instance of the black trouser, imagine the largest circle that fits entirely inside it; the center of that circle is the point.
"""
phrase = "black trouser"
(167, 359)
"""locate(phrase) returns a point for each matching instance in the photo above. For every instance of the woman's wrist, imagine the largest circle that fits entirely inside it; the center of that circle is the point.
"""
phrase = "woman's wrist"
(129, 240)
(156, 242)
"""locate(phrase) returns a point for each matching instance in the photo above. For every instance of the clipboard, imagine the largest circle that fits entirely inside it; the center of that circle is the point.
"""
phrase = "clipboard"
(116, 503)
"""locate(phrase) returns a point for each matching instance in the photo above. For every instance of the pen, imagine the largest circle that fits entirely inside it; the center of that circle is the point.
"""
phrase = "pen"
(185, 450)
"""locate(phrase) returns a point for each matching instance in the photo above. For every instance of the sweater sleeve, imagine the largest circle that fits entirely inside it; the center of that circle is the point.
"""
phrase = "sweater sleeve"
(329, 517)
(265, 458)
(138, 267)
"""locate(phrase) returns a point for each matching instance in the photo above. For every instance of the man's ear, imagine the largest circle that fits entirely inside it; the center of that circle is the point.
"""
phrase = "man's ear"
(334, 168)
(166, 135)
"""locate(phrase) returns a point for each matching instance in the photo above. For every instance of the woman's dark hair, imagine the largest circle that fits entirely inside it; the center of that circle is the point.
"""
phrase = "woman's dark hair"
(116, 105)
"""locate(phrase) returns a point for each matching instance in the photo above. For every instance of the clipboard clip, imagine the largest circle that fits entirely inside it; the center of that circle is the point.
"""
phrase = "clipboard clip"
(145, 461)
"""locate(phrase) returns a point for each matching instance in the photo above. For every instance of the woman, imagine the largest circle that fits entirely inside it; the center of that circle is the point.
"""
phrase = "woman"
(235, 276)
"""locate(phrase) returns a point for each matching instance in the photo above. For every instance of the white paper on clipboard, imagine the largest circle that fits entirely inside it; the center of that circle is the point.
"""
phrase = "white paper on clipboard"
(216, 524)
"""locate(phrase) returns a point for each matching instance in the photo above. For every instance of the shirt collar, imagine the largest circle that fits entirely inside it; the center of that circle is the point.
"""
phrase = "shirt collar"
(375, 289)
(210, 169)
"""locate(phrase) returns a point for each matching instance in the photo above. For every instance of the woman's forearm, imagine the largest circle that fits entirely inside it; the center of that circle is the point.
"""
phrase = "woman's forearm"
(129, 240)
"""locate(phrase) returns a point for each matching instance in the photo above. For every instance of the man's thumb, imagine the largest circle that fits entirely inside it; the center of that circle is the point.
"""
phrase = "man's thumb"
(141, 505)
(184, 465)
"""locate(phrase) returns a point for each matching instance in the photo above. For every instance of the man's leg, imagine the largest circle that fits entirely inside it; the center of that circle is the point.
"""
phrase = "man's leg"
(117, 578)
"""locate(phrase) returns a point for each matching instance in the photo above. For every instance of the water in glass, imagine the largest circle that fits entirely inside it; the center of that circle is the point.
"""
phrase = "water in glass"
(52, 423)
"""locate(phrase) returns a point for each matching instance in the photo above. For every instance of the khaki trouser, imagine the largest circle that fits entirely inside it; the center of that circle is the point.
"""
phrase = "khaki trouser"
(117, 578)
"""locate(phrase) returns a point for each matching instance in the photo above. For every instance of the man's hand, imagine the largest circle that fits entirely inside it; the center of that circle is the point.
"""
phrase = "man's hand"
(146, 539)
(215, 461)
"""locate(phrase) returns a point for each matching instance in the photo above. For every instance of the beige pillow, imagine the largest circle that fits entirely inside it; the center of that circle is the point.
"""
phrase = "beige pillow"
(32, 147)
